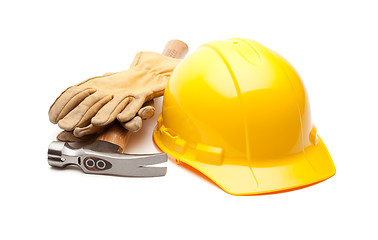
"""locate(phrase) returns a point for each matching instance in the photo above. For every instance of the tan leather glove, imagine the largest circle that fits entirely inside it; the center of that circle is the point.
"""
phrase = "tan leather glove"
(91, 132)
(87, 107)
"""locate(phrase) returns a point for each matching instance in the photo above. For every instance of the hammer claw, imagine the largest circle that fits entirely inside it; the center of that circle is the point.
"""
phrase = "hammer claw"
(150, 159)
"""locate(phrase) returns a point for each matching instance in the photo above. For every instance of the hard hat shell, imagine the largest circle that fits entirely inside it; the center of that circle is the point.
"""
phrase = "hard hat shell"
(238, 112)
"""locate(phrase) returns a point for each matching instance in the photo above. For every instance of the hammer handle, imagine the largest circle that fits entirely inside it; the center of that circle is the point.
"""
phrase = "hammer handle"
(175, 49)
(117, 134)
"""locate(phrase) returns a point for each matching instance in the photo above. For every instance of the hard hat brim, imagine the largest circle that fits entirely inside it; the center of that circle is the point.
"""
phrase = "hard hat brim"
(307, 168)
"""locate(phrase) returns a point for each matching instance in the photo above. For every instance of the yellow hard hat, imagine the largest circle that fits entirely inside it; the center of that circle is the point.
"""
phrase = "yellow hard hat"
(238, 112)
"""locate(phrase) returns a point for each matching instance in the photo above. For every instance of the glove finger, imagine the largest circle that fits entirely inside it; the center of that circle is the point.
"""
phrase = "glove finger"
(109, 112)
(84, 111)
(86, 120)
(131, 110)
(67, 101)
(66, 136)
(134, 124)
(147, 111)
(81, 132)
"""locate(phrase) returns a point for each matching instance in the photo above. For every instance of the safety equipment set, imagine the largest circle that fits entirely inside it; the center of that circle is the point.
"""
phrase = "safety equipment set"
(234, 110)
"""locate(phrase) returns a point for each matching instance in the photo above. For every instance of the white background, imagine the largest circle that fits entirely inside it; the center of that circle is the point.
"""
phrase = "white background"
(46, 46)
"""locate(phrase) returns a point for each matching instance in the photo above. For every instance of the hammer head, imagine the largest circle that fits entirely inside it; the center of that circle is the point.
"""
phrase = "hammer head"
(103, 157)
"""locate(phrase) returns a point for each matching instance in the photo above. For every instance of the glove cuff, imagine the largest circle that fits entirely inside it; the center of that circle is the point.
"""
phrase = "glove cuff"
(155, 62)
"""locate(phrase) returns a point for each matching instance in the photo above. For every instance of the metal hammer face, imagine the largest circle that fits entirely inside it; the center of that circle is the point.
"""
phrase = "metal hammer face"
(103, 158)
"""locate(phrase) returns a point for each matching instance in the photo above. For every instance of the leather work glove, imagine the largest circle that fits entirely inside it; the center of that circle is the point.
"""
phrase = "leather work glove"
(134, 125)
(91, 105)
